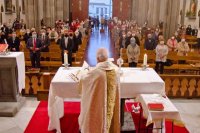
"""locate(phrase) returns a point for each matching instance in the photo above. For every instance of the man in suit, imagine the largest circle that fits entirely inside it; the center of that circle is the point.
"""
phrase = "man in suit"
(66, 45)
(77, 40)
(45, 41)
(150, 43)
(34, 45)
(5, 31)
(128, 38)
(14, 42)
(189, 30)
(135, 35)
(27, 35)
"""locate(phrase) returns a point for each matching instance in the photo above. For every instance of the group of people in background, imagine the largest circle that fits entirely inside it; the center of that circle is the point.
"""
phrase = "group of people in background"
(68, 35)
(128, 35)
(125, 34)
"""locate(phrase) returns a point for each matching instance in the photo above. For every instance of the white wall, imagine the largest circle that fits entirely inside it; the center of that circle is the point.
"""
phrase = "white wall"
(6, 17)
(101, 1)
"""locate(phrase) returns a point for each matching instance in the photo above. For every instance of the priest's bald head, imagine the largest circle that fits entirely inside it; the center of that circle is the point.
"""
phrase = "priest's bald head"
(102, 55)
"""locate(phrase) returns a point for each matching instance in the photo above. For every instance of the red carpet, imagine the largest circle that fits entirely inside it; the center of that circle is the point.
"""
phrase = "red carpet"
(168, 124)
(69, 123)
(40, 119)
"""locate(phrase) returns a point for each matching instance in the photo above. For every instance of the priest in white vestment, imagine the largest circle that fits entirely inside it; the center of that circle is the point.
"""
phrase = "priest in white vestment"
(100, 97)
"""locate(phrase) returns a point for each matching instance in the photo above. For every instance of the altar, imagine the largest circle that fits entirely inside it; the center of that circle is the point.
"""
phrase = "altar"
(133, 81)
(12, 76)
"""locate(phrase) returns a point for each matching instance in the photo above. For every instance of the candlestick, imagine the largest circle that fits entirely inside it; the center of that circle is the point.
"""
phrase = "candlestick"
(5, 41)
(120, 61)
(145, 60)
(65, 58)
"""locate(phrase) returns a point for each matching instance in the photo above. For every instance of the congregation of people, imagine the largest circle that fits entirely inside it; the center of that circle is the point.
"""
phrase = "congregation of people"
(137, 39)
(67, 35)
(125, 35)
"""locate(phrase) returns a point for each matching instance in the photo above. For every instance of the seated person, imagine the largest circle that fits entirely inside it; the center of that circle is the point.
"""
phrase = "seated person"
(100, 97)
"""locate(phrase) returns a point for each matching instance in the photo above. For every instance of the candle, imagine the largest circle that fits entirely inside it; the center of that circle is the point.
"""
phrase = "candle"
(65, 58)
(5, 41)
(145, 60)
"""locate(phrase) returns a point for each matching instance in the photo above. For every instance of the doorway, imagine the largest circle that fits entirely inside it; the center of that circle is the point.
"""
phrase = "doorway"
(100, 8)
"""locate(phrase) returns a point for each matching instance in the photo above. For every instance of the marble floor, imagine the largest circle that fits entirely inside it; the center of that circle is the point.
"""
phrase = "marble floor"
(189, 110)
(99, 40)
(18, 123)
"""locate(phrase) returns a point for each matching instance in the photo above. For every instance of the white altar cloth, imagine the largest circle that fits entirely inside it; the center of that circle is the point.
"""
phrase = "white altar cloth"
(169, 112)
(133, 81)
(19, 56)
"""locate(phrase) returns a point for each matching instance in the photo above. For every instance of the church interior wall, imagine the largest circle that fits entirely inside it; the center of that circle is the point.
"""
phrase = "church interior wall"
(152, 11)
(12, 15)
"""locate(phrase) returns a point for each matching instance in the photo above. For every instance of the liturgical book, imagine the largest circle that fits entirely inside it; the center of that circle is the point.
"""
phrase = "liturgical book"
(156, 106)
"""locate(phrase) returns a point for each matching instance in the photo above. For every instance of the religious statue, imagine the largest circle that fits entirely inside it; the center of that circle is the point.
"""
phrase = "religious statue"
(193, 8)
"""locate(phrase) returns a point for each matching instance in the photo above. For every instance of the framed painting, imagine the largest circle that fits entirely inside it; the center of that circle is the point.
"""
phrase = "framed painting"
(8, 6)
(192, 11)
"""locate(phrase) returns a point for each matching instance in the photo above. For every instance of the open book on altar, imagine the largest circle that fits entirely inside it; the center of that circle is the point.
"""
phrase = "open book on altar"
(76, 76)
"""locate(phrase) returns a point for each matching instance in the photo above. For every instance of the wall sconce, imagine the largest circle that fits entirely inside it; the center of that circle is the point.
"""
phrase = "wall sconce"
(120, 6)
(80, 5)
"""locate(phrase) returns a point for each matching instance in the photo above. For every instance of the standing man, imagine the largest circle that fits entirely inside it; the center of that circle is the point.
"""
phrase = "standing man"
(45, 41)
(77, 40)
(150, 43)
(34, 45)
(66, 45)
(4, 31)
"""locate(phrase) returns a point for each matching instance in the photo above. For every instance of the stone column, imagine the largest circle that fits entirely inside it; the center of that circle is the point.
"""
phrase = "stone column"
(32, 13)
(29, 9)
(47, 12)
(59, 9)
(183, 13)
(156, 12)
(17, 10)
(52, 11)
(66, 9)
(172, 17)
